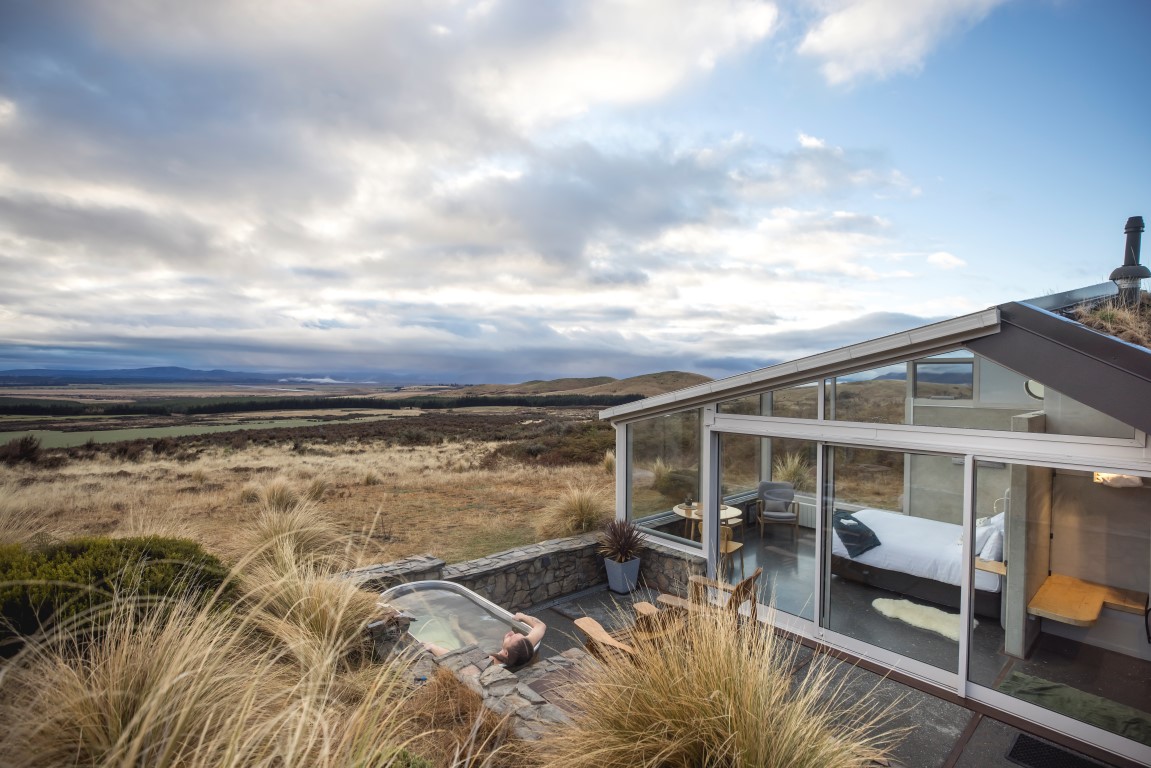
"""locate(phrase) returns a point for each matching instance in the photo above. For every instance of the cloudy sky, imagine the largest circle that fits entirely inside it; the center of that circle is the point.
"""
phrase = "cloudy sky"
(498, 190)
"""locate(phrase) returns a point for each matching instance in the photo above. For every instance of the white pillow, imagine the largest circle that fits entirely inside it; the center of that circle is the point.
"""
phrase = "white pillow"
(993, 549)
(998, 521)
(981, 536)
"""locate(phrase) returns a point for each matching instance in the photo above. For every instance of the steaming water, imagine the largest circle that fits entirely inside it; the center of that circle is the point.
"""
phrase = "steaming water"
(433, 610)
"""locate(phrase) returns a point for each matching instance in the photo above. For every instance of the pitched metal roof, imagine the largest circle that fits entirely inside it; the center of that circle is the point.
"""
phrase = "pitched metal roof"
(1098, 370)
(923, 340)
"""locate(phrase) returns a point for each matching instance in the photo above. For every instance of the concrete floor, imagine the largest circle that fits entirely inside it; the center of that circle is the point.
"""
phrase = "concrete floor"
(941, 734)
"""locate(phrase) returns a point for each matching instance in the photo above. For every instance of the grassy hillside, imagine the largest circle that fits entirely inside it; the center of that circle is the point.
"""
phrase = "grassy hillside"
(647, 385)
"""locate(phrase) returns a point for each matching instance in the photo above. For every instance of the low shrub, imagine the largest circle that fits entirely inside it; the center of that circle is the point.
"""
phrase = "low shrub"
(677, 483)
(21, 450)
(66, 580)
(557, 445)
(128, 451)
(165, 446)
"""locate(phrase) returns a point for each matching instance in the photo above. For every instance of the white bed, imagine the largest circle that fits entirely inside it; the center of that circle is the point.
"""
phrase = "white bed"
(925, 548)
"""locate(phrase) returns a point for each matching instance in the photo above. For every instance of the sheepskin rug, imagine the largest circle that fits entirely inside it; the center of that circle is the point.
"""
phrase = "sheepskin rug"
(922, 616)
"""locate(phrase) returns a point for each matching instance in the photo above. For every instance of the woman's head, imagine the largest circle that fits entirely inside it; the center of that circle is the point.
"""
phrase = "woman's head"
(516, 650)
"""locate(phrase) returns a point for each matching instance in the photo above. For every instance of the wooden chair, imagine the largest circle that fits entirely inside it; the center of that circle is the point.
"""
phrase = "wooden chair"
(650, 624)
(599, 642)
(746, 591)
(727, 548)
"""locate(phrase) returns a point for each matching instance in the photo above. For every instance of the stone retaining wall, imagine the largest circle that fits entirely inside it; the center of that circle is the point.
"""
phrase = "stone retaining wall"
(527, 576)
(377, 578)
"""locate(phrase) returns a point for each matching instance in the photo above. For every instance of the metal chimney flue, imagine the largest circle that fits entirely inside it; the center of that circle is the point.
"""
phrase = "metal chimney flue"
(1129, 277)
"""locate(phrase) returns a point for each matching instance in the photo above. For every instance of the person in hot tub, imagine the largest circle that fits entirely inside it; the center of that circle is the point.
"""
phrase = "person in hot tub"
(516, 649)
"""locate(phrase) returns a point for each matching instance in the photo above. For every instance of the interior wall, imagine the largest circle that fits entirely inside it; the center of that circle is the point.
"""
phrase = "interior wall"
(1027, 549)
(1066, 416)
(1102, 534)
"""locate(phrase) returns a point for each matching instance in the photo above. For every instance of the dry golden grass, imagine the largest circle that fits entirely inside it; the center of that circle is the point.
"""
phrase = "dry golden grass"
(456, 728)
(181, 684)
(721, 694)
(396, 501)
(576, 509)
(1113, 318)
(282, 677)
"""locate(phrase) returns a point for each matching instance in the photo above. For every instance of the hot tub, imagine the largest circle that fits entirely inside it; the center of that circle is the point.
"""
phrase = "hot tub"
(438, 607)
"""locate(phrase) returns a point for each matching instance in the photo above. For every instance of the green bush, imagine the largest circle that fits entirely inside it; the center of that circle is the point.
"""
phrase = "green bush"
(65, 580)
(678, 483)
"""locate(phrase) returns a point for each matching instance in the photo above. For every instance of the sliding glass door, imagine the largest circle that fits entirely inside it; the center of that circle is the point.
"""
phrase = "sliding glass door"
(893, 545)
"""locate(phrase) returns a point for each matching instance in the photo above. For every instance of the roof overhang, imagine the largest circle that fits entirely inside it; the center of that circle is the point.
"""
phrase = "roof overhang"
(924, 340)
(1099, 370)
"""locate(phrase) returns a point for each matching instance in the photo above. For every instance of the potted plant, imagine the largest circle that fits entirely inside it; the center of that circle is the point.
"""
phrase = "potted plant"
(619, 544)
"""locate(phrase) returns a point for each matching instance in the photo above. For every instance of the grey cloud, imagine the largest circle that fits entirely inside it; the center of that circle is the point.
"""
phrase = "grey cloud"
(615, 275)
(570, 195)
(106, 232)
(814, 172)
(868, 326)
(326, 324)
(732, 365)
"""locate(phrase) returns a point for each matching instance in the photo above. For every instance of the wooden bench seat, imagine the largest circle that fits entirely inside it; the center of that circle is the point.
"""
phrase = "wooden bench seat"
(1079, 603)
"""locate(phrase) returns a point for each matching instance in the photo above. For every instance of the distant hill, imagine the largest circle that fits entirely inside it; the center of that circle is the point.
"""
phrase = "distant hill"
(48, 377)
(647, 385)
(168, 374)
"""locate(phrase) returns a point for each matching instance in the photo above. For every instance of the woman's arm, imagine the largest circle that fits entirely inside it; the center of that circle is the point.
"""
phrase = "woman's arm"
(538, 628)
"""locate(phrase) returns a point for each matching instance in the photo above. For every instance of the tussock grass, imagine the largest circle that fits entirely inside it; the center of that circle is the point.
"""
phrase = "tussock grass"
(794, 468)
(723, 694)
(660, 471)
(278, 496)
(1113, 318)
(19, 523)
(577, 509)
(316, 489)
(193, 686)
(457, 730)
(609, 462)
(299, 535)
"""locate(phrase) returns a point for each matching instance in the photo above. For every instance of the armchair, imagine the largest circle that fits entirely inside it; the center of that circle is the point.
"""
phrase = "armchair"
(775, 504)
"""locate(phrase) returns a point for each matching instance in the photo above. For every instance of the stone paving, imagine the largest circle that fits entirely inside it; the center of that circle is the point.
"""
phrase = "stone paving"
(940, 734)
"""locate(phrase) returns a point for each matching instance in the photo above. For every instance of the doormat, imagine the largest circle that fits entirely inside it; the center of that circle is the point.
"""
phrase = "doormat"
(1033, 753)
(922, 616)
(1086, 707)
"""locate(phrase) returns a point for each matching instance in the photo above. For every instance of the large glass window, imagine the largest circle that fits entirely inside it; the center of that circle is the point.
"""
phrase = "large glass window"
(878, 396)
(798, 402)
(1061, 588)
(894, 559)
(769, 496)
(664, 470)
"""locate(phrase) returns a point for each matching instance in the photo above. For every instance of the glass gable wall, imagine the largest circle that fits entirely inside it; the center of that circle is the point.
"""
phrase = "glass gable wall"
(1026, 523)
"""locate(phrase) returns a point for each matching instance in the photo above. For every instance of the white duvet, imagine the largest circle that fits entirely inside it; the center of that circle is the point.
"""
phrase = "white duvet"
(918, 546)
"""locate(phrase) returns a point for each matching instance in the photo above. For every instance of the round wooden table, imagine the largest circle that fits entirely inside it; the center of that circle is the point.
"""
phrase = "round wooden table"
(693, 516)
